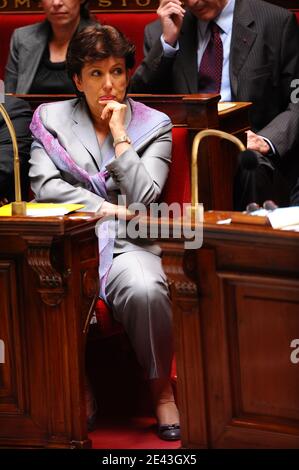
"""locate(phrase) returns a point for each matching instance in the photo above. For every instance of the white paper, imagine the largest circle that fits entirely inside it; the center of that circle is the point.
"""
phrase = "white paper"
(261, 212)
(49, 212)
(224, 221)
(293, 228)
(284, 216)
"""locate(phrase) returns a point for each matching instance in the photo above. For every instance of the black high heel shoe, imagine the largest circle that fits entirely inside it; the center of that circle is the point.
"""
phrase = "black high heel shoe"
(169, 432)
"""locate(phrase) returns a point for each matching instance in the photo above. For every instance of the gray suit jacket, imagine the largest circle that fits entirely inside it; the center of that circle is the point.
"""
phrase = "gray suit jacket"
(264, 59)
(26, 49)
(139, 173)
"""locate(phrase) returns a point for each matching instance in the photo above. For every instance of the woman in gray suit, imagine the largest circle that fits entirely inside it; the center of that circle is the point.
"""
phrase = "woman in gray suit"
(92, 150)
(36, 62)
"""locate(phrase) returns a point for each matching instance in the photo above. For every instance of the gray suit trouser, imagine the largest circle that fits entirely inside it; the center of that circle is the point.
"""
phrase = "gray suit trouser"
(138, 292)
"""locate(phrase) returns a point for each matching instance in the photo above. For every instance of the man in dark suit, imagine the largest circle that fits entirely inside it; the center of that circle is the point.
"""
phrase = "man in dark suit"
(260, 62)
(20, 114)
(295, 195)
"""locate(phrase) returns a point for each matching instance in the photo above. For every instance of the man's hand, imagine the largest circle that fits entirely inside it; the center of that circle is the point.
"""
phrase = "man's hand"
(171, 15)
(257, 143)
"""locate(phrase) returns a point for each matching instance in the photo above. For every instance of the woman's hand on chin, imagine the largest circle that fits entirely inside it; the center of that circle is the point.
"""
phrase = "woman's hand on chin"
(115, 113)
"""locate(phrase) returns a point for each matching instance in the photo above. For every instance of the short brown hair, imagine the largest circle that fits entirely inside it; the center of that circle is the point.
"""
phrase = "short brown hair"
(98, 42)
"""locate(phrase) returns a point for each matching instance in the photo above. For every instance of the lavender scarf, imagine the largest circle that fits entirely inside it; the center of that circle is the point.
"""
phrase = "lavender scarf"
(143, 127)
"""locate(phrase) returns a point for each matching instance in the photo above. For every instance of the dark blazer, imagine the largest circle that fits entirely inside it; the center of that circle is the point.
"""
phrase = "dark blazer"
(20, 114)
(295, 195)
(26, 49)
(264, 59)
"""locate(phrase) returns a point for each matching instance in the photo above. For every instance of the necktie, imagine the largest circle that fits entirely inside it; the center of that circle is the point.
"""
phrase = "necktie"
(210, 70)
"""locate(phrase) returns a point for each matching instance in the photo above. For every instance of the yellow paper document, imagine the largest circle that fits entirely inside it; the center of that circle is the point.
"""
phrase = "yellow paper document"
(41, 209)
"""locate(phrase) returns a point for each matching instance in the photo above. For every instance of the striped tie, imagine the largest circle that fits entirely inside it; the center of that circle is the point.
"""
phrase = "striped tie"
(210, 70)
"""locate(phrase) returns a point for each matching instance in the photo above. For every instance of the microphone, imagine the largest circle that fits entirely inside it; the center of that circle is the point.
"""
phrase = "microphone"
(18, 207)
(252, 207)
(194, 157)
(270, 205)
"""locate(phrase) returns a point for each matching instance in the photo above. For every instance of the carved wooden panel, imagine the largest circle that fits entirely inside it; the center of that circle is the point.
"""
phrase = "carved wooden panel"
(18, 414)
(11, 370)
(42, 381)
(248, 316)
(262, 319)
(184, 293)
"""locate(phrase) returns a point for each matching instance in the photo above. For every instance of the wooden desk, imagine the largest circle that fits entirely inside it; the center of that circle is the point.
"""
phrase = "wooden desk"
(48, 276)
(236, 311)
(235, 303)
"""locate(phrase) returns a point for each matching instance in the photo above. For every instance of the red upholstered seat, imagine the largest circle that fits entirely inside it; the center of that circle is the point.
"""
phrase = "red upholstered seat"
(132, 25)
(108, 326)
(8, 23)
(178, 184)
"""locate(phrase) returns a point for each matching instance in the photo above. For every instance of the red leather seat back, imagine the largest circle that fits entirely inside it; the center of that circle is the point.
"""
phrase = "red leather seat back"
(8, 23)
(108, 326)
(132, 25)
(178, 184)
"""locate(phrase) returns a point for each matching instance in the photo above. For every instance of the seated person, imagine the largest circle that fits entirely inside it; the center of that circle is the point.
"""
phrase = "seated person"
(295, 195)
(36, 62)
(93, 149)
(246, 50)
(20, 114)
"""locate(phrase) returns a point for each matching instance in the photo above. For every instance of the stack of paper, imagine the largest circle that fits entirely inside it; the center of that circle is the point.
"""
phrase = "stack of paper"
(43, 209)
(286, 218)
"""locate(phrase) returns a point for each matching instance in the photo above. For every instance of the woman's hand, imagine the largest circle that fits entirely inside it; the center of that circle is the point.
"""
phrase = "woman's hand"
(112, 210)
(114, 113)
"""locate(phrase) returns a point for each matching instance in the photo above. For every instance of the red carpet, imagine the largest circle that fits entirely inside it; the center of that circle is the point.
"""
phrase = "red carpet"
(129, 433)
(125, 418)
